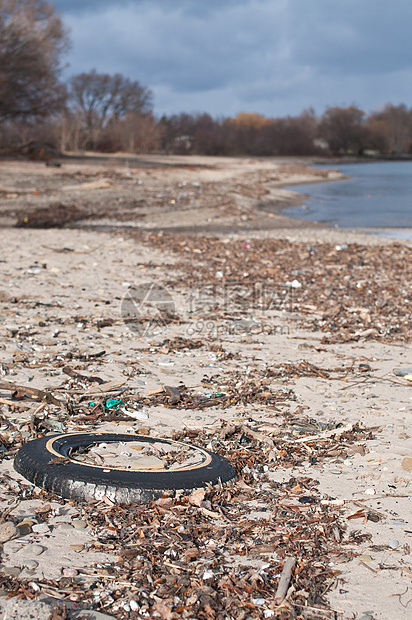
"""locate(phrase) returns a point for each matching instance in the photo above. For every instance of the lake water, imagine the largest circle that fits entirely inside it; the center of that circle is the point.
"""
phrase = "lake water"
(378, 195)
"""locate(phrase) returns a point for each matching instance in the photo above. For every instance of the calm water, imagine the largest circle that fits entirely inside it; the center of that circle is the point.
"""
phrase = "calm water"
(378, 195)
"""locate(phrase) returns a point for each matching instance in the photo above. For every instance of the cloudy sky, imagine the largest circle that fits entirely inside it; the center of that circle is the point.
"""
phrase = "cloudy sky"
(275, 57)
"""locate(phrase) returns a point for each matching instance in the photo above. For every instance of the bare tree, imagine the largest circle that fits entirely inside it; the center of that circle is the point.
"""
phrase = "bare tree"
(102, 98)
(140, 133)
(344, 129)
(32, 39)
(397, 121)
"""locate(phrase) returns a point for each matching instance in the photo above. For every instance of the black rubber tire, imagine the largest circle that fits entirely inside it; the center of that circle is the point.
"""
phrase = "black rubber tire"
(38, 461)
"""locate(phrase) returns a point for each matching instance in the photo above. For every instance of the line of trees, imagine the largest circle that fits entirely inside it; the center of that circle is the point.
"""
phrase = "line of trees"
(109, 113)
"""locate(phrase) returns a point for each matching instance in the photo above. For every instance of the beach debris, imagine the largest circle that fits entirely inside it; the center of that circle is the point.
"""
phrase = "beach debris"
(114, 403)
(336, 292)
(44, 462)
(21, 391)
(285, 578)
(79, 524)
(168, 540)
(196, 497)
(77, 375)
(135, 413)
(89, 185)
(173, 393)
(294, 284)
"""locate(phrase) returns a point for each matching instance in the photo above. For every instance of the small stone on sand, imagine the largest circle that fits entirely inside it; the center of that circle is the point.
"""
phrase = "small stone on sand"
(24, 529)
(365, 557)
(41, 528)
(8, 531)
(30, 565)
(79, 524)
(407, 463)
(33, 549)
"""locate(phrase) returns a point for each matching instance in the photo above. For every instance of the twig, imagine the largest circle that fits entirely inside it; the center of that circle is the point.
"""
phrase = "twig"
(34, 411)
(314, 369)
(368, 509)
(65, 250)
(209, 513)
(40, 394)
(348, 371)
(12, 403)
(5, 513)
(175, 566)
(77, 375)
(346, 387)
(260, 437)
(373, 570)
(374, 379)
(284, 580)
(328, 613)
(323, 435)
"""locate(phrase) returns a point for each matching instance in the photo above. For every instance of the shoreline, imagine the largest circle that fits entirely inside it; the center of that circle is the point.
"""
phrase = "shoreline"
(192, 194)
(398, 231)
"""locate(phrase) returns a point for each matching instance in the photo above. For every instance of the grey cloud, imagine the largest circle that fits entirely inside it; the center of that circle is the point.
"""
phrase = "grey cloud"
(186, 54)
(352, 36)
(269, 56)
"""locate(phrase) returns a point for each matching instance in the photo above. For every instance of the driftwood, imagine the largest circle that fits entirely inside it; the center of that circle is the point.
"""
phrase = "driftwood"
(77, 375)
(11, 403)
(284, 580)
(324, 435)
(260, 437)
(43, 395)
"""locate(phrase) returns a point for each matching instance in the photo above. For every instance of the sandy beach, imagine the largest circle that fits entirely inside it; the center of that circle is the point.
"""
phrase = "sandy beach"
(282, 346)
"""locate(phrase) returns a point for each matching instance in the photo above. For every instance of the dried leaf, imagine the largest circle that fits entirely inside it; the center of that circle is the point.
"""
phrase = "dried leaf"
(196, 497)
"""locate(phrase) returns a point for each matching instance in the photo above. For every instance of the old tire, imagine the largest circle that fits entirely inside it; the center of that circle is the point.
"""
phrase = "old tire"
(46, 462)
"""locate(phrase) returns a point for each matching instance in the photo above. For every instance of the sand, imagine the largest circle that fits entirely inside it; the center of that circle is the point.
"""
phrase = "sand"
(61, 295)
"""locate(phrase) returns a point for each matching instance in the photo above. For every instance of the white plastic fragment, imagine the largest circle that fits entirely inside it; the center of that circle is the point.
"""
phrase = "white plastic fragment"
(34, 586)
(137, 415)
(332, 502)
(293, 284)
